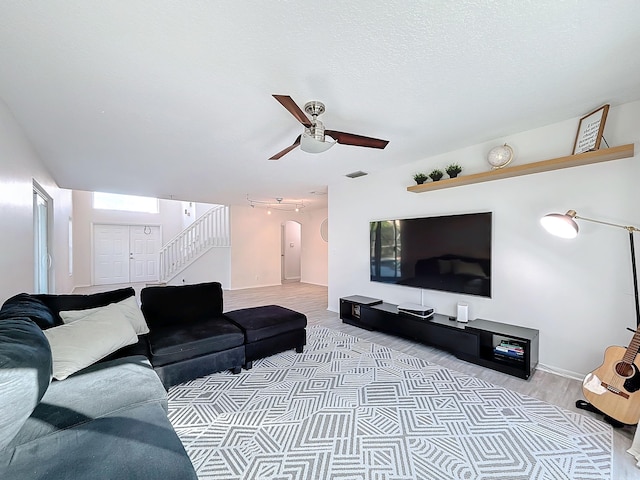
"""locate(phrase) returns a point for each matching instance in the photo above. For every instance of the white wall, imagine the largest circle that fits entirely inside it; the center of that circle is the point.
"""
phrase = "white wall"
(578, 293)
(315, 251)
(256, 241)
(213, 266)
(19, 166)
(188, 213)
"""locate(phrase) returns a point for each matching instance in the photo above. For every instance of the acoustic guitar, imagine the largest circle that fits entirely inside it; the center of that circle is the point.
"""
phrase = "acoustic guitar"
(614, 387)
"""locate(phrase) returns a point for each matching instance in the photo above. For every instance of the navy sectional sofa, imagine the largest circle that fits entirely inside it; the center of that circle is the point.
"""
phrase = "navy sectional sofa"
(106, 421)
(109, 419)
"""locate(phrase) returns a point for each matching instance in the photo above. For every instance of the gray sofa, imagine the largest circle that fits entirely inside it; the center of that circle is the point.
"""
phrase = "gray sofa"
(106, 421)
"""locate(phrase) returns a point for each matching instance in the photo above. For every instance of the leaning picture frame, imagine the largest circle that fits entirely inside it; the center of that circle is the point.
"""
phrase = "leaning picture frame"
(590, 130)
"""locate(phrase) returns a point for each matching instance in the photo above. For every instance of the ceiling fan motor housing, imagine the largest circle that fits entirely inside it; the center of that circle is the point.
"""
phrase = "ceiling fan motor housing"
(316, 131)
(315, 108)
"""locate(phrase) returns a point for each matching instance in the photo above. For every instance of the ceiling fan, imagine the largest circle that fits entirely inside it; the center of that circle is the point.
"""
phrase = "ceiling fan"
(313, 139)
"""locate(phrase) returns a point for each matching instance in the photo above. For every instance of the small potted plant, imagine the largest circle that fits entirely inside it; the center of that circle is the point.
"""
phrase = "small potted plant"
(420, 178)
(436, 175)
(453, 170)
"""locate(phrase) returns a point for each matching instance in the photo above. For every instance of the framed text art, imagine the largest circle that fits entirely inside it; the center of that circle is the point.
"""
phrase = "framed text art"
(590, 131)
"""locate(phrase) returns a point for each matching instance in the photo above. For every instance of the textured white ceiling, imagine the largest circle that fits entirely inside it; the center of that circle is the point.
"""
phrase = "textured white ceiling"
(173, 98)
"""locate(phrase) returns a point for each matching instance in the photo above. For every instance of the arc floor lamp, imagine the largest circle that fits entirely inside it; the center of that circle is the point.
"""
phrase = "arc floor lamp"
(565, 226)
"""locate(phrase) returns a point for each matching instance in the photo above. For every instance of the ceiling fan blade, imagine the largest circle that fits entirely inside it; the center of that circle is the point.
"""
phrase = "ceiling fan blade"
(286, 150)
(288, 103)
(357, 140)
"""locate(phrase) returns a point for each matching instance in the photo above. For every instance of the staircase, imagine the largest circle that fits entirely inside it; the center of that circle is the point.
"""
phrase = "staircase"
(208, 231)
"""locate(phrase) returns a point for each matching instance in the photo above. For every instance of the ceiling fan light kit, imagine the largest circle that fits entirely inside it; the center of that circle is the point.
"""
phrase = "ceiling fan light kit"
(310, 144)
(313, 139)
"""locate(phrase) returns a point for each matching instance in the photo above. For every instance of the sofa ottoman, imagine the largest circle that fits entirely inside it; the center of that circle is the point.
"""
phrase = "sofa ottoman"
(268, 330)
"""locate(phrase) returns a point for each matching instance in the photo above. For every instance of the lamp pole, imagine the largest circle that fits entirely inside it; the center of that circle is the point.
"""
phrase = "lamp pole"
(635, 277)
(630, 229)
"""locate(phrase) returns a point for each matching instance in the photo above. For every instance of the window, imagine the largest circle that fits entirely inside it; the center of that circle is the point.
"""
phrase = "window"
(129, 203)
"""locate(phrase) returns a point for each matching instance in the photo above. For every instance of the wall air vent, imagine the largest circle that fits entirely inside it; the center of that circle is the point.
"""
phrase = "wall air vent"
(357, 174)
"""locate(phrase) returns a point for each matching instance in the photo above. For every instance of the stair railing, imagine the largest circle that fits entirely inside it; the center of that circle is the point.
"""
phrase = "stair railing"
(206, 232)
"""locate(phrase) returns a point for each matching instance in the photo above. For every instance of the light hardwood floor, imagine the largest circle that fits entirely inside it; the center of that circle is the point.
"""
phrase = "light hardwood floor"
(312, 301)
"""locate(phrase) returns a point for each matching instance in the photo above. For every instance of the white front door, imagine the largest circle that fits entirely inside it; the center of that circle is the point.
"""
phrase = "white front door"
(125, 254)
(110, 254)
(144, 246)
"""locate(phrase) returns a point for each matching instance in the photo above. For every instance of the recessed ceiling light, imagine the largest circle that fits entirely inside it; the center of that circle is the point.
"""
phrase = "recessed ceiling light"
(357, 174)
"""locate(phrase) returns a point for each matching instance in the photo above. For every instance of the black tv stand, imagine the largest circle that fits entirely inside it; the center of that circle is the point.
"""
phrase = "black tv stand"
(474, 342)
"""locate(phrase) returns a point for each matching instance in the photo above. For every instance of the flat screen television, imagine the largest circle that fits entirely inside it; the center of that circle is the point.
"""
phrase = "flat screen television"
(450, 253)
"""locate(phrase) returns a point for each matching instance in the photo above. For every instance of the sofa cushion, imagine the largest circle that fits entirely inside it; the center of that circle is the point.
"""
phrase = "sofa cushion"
(171, 344)
(171, 305)
(267, 321)
(79, 344)
(25, 305)
(129, 308)
(25, 373)
(95, 392)
(136, 443)
(57, 303)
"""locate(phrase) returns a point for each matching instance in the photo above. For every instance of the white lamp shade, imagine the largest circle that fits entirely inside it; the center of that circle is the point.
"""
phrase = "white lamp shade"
(310, 144)
(560, 225)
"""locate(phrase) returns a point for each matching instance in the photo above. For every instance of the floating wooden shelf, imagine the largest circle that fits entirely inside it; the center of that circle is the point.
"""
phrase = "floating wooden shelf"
(602, 155)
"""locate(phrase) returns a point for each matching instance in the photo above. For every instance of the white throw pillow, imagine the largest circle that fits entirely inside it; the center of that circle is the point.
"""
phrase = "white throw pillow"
(79, 344)
(129, 308)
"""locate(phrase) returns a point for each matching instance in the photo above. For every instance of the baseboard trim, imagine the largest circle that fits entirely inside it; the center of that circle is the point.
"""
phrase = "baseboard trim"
(291, 280)
(560, 371)
(255, 286)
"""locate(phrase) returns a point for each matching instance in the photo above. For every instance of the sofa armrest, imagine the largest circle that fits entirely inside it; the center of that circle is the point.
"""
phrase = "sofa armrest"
(94, 392)
(58, 303)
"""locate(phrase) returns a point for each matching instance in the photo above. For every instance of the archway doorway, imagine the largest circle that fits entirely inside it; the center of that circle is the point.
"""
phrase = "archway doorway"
(291, 250)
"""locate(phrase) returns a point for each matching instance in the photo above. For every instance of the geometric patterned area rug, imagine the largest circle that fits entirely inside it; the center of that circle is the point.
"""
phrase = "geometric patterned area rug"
(348, 409)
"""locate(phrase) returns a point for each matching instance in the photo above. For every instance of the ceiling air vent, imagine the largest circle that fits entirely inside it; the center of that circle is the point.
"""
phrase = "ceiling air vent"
(357, 174)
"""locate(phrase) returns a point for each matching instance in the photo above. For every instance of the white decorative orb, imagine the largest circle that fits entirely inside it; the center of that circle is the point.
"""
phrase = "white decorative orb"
(500, 156)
